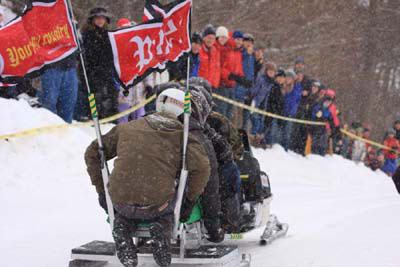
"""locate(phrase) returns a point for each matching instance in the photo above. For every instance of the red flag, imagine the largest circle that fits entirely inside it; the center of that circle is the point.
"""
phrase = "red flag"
(143, 48)
(42, 35)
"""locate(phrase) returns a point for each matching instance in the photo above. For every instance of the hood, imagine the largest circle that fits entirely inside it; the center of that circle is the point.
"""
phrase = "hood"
(163, 122)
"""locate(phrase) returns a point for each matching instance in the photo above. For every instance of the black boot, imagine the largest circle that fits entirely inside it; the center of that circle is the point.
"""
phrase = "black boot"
(126, 249)
(214, 230)
(161, 244)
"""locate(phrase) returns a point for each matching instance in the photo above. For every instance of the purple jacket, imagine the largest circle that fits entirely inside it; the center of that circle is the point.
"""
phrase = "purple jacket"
(262, 90)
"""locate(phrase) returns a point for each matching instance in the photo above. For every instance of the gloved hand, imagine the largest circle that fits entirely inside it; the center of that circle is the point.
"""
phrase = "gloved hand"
(102, 201)
(186, 209)
(247, 83)
(125, 92)
(237, 78)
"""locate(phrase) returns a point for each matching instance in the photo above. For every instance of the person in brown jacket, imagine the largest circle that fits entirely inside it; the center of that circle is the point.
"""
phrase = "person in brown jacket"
(142, 185)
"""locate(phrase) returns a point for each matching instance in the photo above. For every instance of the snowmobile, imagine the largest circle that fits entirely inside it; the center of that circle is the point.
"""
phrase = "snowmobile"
(191, 248)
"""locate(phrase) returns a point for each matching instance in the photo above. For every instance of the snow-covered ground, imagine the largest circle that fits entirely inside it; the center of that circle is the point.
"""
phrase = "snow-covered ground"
(340, 213)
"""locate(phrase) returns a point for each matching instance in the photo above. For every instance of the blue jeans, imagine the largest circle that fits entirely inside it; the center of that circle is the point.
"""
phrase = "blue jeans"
(221, 106)
(59, 92)
(257, 124)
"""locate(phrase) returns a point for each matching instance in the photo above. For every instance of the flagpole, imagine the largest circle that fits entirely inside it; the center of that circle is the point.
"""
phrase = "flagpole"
(92, 102)
(184, 171)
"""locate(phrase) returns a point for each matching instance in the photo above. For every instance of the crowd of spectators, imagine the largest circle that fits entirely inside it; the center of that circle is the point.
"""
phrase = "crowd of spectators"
(236, 69)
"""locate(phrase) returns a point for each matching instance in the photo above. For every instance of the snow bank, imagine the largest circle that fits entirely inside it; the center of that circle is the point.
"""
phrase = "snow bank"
(340, 213)
(47, 202)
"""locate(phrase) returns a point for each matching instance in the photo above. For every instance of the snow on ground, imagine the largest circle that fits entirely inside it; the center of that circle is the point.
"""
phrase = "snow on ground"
(340, 213)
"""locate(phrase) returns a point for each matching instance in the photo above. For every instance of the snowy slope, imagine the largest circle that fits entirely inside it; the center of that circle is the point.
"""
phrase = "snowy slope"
(340, 213)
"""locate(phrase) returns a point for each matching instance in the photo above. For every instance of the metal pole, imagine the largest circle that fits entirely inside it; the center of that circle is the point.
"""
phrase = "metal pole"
(92, 101)
(184, 172)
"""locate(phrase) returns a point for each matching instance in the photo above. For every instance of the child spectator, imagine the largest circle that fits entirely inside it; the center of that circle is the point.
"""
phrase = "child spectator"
(391, 155)
(359, 149)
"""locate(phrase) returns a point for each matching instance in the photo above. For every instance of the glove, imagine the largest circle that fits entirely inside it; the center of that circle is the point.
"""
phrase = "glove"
(125, 92)
(247, 83)
(186, 209)
(103, 201)
(237, 78)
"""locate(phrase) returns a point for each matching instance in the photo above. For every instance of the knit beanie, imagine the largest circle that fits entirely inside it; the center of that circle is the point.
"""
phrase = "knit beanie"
(209, 30)
(222, 32)
(291, 74)
(237, 34)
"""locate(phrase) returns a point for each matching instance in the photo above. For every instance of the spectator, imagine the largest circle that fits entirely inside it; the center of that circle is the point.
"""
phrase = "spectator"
(320, 113)
(292, 99)
(243, 90)
(99, 62)
(260, 94)
(300, 66)
(391, 155)
(359, 149)
(346, 143)
(300, 133)
(210, 63)
(397, 129)
(232, 69)
(334, 130)
(178, 70)
(273, 128)
(259, 57)
(60, 88)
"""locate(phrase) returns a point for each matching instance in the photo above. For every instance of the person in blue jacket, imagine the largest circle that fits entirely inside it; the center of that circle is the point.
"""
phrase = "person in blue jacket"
(292, 100)
(260, 95)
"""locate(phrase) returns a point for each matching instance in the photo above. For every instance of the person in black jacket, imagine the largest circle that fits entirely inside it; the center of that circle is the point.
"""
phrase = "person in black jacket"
(276, 104)
(99, 62)
(178, 70)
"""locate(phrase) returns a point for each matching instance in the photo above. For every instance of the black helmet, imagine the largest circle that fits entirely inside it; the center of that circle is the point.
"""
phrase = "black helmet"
(99, 12)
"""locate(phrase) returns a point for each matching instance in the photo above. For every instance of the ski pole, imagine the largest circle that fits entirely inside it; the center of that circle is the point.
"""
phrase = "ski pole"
(92, 102)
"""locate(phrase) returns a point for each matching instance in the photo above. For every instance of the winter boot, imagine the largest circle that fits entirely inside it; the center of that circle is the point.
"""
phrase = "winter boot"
(126, 249)
(215, 232)
(161, 247)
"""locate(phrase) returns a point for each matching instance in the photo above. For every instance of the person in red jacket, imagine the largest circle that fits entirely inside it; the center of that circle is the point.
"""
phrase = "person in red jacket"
(210, 64)
(231, 68)
(391, 155)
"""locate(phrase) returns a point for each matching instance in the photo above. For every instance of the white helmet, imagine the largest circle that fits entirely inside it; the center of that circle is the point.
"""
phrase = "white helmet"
(171, 101)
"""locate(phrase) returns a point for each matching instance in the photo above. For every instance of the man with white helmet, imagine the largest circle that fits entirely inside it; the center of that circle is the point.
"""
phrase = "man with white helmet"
(142, 184)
